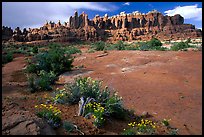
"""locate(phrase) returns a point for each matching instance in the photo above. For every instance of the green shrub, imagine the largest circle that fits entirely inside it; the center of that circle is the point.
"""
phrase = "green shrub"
(98, 46)
(41, 81)
(88, 88)
(114, 107)
(68, 126)
(32, 68)
(145, 47)
(7, 57)
(72, 50)
(154, 42)
(47, 66)
(54, 60)
(132, 47)
(31, 83)
(180, 46)
(85, 87)
(142, 127)
(34, 49)
(91, 51)
(188, 41)
(50, 113)
(97, 111)
(120, 45)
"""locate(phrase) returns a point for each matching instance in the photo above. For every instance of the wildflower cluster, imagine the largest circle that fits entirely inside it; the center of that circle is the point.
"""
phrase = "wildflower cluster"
(60, 96)
(50, 113)
(142, 127)
(98, 112)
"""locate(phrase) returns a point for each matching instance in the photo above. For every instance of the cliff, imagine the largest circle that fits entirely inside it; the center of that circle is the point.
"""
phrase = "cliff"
(126, 27)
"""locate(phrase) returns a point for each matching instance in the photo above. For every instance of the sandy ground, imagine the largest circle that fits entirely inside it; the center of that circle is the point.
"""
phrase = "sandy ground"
(166, 84)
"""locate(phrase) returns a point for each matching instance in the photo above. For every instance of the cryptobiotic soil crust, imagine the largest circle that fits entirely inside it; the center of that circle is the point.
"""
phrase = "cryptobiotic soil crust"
(166, 84)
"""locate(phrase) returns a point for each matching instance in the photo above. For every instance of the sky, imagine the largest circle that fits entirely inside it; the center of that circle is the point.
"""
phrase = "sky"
(35, 14)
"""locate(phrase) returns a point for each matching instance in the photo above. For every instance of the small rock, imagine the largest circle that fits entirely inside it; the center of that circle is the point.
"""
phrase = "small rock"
(145, 114)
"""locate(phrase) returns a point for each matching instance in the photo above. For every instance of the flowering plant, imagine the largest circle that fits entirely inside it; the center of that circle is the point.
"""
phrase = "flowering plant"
(50, 113)
(97, 111)
(142, 127)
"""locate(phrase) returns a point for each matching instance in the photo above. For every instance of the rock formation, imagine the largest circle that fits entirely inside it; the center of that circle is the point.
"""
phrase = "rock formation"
(16, 121)
(126, 27)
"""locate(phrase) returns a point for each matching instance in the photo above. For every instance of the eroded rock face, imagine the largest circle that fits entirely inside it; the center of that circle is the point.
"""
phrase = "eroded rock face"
(126, 27)
(16, 121)
(7, 33)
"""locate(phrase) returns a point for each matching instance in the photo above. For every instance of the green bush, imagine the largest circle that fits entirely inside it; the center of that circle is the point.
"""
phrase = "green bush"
(98, 46)
(114, 107)
(34, 49)
(120, 45)
(89, 88)
(32, 83)
(180, 46)
(42, 81)
(48, 65)
(72, 50)
(54, 60)
(85, 87)
(188, 40)
(132, 47)
(68, 126)
(154, 42)
(32, 68)
(7, 57)
(51, 114)
(97, 110)
(145, 47)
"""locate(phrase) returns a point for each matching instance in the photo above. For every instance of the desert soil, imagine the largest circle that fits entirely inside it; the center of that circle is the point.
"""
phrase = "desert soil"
(166, 84)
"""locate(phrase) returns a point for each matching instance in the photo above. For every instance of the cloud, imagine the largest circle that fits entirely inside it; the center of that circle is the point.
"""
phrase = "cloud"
(25, 14)
(126, 3)
(188, 12)
(150, 5)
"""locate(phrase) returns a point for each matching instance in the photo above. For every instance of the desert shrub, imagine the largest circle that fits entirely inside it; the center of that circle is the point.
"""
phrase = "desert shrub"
(97, 111)
(53, 60)
(72, 50)
(180, 46)
(50, 113)
(60, 96)
(91, 51)
(45, 79)
(154, 42)
(8, 57)
(32, 83)
(144, 47)
(120, 45)
(54, 46)
(142, 127)
(48, 65)
(68, 126)
(32, 68)
(85, 90)
(98, 46)
(114, 107)
(159, 48)
(132, 47)
(85, 87)
(111, 47)
(188, 40)
(34, 49)
(42, 81)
